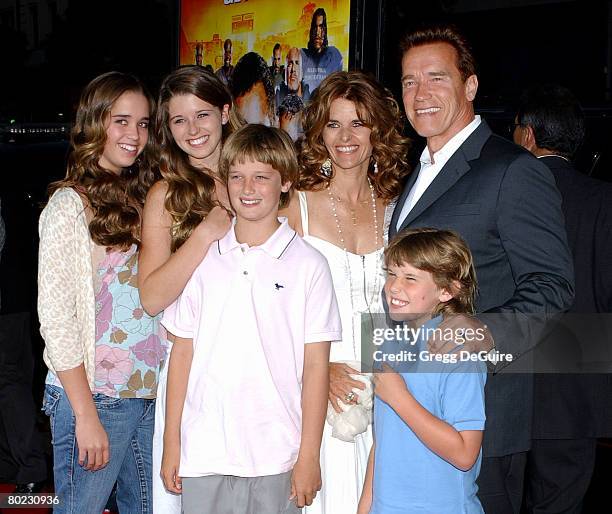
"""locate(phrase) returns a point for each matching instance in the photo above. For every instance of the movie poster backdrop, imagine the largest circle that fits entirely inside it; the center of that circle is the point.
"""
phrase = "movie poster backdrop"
(272, 54)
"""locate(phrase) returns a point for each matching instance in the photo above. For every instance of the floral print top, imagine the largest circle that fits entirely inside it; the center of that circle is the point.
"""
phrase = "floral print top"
(130, 344)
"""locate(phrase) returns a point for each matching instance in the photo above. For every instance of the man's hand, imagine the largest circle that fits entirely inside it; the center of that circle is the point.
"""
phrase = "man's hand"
(389, 385)
(460, 329)
(305, 481)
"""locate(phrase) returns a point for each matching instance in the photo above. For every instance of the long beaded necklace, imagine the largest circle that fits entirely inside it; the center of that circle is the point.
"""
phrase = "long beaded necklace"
(348, 274)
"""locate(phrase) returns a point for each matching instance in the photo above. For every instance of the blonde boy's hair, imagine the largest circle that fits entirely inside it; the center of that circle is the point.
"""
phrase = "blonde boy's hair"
(443, 254)
(268, 145)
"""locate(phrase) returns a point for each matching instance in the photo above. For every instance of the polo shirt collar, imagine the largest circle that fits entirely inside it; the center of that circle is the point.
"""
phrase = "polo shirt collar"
(275, 246)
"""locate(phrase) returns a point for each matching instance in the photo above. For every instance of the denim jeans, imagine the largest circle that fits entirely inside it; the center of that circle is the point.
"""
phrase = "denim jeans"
(129, 425)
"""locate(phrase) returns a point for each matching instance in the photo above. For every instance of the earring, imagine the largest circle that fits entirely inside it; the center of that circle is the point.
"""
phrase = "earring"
(375, 170)
(326, 168)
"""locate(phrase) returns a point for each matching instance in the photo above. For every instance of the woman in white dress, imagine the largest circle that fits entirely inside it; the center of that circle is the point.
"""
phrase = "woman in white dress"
(353, 160)
(185, 212)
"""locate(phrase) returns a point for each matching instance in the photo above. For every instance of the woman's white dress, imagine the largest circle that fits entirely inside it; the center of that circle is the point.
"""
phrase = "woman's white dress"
(343, 464)
(163, 501)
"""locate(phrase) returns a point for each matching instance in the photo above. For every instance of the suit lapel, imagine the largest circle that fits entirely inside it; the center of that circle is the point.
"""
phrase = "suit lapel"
(457, 166)
(452, 171)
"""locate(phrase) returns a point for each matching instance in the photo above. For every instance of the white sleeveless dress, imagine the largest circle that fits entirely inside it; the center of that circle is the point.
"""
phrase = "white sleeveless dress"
(343, 464)
(164, 502)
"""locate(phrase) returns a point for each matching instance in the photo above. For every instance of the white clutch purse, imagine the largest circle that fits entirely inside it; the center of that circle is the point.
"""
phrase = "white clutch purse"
(355, 417)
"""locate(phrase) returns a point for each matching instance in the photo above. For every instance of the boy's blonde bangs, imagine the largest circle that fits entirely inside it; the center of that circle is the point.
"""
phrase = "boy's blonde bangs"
(268, 145)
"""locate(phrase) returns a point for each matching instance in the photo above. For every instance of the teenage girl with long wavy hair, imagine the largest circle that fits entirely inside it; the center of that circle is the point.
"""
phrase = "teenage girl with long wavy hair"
(186, 211)
(102, 350)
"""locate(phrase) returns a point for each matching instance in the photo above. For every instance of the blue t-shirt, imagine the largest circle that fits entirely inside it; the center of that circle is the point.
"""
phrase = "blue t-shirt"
(317, 66)
(408, 476)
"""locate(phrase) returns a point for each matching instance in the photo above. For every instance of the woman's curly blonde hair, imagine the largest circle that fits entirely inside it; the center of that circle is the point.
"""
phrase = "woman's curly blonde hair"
(378, 110)
(190, 195)
(116, 201)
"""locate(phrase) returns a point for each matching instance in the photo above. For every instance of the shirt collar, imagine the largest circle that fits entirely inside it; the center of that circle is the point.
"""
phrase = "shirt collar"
(553, 155)
(275, 246)
(451, 146)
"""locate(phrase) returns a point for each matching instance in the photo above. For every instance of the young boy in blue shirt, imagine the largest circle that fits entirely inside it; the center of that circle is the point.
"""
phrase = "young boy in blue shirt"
(429, 418)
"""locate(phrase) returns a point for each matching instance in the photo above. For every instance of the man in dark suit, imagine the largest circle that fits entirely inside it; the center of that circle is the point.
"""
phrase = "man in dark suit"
(2, 237)
(570, 410)
(504, 203)
(22, 456)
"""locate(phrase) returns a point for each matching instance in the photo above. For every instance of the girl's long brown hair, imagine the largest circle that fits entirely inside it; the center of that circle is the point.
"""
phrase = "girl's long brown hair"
(115, 200)
(190, 195)
(378, 110)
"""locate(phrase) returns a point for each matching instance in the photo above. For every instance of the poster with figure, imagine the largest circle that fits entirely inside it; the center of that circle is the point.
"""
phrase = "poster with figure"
(272, 55)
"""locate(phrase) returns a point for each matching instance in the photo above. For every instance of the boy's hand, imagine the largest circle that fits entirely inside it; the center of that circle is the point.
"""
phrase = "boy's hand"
(170, 467)
(363, 509)
(305, 481)
(389, 385)
(365, 503)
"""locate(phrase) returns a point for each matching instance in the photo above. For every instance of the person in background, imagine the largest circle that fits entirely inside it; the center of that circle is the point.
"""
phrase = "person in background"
(290, 116)
(292, 84)
(319, 59)
(2, 230)
(277, 70)
(102, 350)
(570, 410)
(2, 238)
(199, 49)
(22, 455)
(225, 72)
(253, 90)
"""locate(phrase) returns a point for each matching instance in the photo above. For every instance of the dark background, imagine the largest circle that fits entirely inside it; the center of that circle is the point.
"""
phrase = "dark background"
(49, 49)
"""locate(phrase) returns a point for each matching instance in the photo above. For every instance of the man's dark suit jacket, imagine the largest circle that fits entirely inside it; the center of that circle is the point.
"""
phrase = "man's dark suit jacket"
(505, 204)
(580, 406)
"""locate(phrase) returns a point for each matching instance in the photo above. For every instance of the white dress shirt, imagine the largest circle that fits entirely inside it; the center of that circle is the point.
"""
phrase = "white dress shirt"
(431, 167)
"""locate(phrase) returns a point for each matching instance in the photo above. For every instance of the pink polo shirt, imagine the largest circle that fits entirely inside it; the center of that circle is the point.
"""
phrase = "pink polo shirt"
(249, 312)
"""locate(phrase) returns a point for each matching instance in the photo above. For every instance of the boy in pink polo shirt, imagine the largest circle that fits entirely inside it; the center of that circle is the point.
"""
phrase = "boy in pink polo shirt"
(248, 374)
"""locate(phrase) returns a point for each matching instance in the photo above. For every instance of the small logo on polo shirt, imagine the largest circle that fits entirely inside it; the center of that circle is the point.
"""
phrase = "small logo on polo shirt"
(278, 286)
